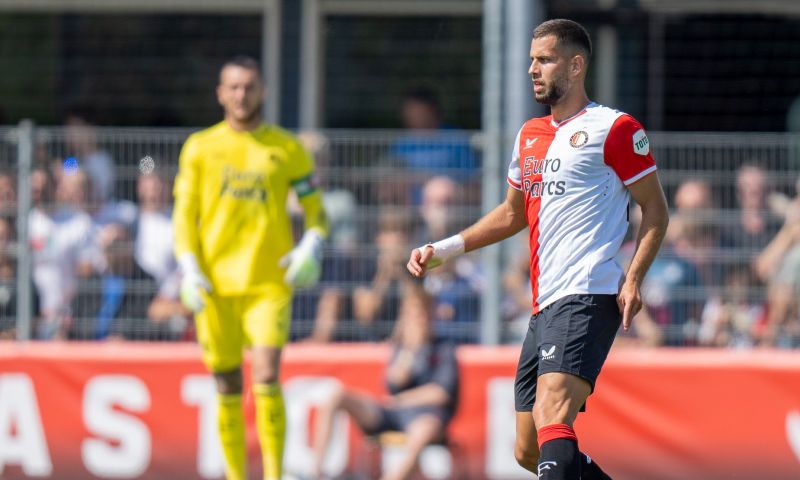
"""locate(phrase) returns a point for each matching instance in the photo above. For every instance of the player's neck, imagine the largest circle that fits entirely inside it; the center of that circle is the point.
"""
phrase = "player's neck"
(569, 106)
(243, 126)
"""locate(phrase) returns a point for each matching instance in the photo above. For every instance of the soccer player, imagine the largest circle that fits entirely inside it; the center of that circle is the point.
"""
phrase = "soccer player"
(571, 177)
(233, 241)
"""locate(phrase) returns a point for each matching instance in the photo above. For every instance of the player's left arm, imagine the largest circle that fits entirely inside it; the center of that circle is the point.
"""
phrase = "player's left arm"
(304, 263)
(647, 193)
(315, 218)
(627, 152)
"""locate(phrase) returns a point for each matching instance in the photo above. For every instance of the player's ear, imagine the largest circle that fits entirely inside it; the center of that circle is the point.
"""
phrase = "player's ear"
(577, 65)
(220, 95)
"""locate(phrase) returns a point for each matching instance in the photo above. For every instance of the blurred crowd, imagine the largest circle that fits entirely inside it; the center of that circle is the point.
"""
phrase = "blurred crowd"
(727, 276)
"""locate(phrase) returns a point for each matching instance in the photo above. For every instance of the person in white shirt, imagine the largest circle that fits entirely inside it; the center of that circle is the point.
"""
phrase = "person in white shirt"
(571, 178)
(62, 246)
(154, 238)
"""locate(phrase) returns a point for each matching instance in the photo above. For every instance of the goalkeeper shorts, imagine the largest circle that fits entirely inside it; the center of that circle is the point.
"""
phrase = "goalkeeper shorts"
(229, 324)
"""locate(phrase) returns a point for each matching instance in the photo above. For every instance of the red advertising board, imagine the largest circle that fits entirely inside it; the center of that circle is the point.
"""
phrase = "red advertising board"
(147, 411)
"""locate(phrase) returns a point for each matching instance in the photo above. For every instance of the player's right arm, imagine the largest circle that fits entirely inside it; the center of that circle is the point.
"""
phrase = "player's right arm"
(506, 220)
(185, 216)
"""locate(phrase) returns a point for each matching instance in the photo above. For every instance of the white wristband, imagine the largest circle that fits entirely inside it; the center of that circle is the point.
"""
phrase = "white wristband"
(444, 250)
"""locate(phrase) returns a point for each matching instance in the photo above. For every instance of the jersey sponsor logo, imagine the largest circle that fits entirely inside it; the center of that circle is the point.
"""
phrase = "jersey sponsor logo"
(579, 139)
(529, 143)
(534, 166)
(548, 353)
(544, 187)
(641, 145)
(243, 184)
(539, 188)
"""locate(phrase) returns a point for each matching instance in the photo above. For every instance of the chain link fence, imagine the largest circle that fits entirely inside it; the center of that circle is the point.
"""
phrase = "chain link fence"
(100, 238)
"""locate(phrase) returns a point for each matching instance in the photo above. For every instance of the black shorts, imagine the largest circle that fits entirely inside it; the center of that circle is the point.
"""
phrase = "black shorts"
(398, 419)
(572, 335)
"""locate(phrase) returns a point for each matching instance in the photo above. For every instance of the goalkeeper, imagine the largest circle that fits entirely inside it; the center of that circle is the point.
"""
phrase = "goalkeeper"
(233, 240)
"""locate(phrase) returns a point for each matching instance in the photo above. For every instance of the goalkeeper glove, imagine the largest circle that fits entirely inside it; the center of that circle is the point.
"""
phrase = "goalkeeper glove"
(304, 263)
(193, 283)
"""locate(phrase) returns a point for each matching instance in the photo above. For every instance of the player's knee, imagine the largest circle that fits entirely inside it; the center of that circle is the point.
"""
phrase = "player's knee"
(527, 456)
(229, 383)
(265, 374)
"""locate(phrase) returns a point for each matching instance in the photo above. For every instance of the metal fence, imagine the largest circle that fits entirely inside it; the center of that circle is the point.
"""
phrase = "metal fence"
(99, 238)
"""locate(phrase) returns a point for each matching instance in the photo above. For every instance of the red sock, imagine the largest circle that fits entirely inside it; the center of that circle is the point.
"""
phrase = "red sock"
(557, 430)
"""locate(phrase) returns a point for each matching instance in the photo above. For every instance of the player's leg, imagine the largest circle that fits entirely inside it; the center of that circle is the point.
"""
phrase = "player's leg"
(364, 410)
(270, 409)
(420, 432)
(267, 327)
(576, 336)
(219, 333)
(559, 398)
(526, 450)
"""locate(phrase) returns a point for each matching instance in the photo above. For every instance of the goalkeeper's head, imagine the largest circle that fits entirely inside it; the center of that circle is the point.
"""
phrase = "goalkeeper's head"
(241, 91)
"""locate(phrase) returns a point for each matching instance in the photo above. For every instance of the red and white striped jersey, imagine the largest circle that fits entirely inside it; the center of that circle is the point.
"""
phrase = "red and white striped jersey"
(574, 176)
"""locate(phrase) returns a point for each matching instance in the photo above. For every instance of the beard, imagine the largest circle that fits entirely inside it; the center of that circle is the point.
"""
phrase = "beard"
(553, 92)
(252, 114)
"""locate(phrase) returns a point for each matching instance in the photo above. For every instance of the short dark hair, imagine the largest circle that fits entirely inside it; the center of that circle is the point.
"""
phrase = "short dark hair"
(244, 61)
(81, 110)
(569, 33)
(425, 95)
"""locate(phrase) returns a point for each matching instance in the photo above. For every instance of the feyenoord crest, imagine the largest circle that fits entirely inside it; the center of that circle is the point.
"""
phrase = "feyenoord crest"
(579, 139)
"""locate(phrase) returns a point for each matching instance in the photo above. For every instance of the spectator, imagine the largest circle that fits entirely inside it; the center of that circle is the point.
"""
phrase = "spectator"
(755, 225)
(437, 210)
(8, 194)
(153, 244)
(422, 380)
(61, 242)
(693, 195)
(8, 297)
(673, 292)
(693, 233)
(731, 319)
(422, 116)
(375, 305)
(456, 286)
(779, 266)
(318, 312)
(431, 147)
(82, 142)
(115, 302)
(344, 265)
(167, 310)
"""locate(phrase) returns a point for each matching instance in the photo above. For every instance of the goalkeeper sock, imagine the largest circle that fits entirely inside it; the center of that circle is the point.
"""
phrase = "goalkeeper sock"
(590, 470)
(230, 422)
(271, 425)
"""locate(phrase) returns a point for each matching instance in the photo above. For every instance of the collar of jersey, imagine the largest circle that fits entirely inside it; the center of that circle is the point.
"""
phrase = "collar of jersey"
(262, 127)
(567, 120)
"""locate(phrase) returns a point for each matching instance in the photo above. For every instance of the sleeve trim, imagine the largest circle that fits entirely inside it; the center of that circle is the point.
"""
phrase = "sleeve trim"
(639, 176)
(514, 184)
(301, 179)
